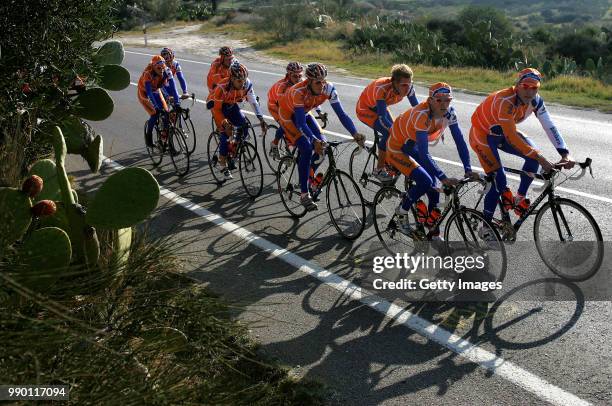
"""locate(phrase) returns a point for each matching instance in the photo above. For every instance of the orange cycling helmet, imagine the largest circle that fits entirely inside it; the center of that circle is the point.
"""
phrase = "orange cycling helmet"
(316, 71)
(238, 70)
(529, 76)
(157, 59)
(226, 51)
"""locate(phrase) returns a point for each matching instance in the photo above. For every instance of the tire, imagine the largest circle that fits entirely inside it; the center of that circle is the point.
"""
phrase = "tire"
(288, 184)
(283, 149)
(252, 137)
(251, 170)
(386, 226)
(212, 152)
(345, 205)
(156, 153)
(461, 238)
(189, 131)
(179, 151)
(361, 165)
(577, 259)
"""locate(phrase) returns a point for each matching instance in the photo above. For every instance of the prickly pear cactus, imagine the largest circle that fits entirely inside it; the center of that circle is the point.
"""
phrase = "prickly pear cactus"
(110, 52)
(125, 199)
(94, 104)
(45, 168)
(122, 240)
(15, 216)
(114, 77)
(47, 248)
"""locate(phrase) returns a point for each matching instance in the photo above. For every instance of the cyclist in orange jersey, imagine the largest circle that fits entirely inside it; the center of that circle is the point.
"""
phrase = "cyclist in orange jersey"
(494, 128)
(408, 151)
(175, 68)
(226, 111)
(155, 76)
(219, 69)
(372, 108)
(301, 128)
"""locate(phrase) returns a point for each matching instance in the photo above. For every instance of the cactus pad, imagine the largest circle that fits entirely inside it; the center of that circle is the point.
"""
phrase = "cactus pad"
(122, 240)
(93, 154)
(75, 135)
(114, 77)
(124, 199)
(42, 254)
(110, 53)
(15, 215)
(45, 168)
(94, 104)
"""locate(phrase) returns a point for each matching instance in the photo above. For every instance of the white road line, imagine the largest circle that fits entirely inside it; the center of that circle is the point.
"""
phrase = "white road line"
(487, 360)
(555, 116)
(444, 160)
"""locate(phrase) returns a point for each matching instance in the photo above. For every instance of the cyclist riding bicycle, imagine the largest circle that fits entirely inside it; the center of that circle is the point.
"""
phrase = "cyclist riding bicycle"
(408, 151)
(494, 128)
(373, 108)
(301, 128)
(293, 76)
(175, 68)
(226, 111)
(155, 76)
(220, 68)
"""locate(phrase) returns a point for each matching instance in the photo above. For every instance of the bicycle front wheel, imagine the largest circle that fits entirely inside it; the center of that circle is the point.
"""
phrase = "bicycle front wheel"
(251, 137)
(179, 151)
(156, 152)
(386, 222)
(361, 166)
(568, 239)
(186, 126)
(288, 183)
(212, 150)
(283, 149)
(251, 171)
(468, 234)
(345, 205)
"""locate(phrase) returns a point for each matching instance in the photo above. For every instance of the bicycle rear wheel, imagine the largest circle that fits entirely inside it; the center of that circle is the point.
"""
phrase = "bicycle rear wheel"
(186, 125)
(288, 183)
(212, 151)
(387, 226)
(345, 205)
(283, 149)
(251, 170)
(361, 165)
(568, 239)
(462, 238)
(179, 151)
(156, 153)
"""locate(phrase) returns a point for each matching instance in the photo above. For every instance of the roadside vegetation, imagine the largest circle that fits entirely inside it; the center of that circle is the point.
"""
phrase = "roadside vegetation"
(478, 49)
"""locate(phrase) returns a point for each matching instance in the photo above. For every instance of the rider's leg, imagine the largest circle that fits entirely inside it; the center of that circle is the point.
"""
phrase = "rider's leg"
(530, 165)
(316, 131)
(304, 146)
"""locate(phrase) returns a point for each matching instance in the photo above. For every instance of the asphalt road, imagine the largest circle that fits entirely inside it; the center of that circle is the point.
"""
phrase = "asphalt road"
(323, 330)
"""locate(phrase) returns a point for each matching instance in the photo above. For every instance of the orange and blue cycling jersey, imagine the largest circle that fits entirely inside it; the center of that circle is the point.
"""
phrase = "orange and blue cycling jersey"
(217, 73)
(374, 101)
(277, 90)
(177, 71)
(225, 94)
(150, 85)
(414, 129)
(498, 115)
(298, 101)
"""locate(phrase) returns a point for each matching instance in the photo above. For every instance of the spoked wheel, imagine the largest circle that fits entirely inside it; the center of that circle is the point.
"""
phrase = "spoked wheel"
(468, 234)
(283, 148)
(386, 223)
(252, 138)
(345, 205)
(568, 239)
(288, 183)
(186, 126)
(212, 150)
(179, 151)
(251, 170)
(361, 167)
(156, 153)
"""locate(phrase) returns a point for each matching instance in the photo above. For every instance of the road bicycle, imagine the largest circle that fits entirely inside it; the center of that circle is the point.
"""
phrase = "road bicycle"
(343, 197)
(563, 230)
(171, 139)
(182, 120)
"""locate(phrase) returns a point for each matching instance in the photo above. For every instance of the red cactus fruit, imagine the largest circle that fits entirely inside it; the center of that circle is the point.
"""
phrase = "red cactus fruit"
(44, 208)
(32, 185)
(25, 88)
